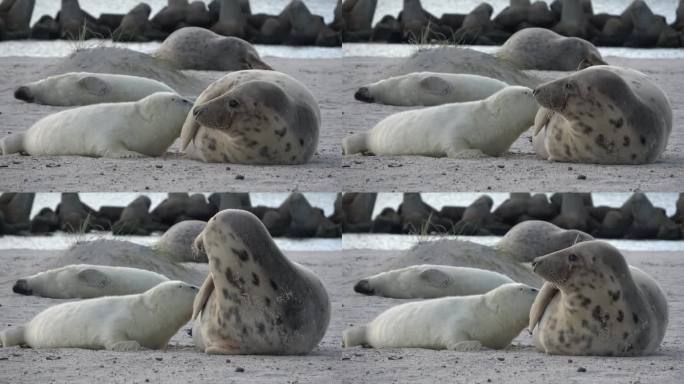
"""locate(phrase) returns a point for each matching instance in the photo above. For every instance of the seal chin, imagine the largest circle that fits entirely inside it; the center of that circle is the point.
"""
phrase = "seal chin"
(364, 287)
(23, 93)
(21, 287)
(363, 94)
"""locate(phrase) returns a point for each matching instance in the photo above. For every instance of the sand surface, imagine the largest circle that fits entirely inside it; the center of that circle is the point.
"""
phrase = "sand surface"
(333, 83)
(328, 363)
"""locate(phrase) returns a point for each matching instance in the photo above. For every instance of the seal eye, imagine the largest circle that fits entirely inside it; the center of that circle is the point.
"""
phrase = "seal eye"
(572, 257)
(568, 85)
(233, 103)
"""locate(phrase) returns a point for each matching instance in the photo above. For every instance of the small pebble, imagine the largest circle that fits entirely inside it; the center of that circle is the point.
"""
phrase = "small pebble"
(159, 358)
(227, 360)
(239, 369)
(500, 358)
(239, 177)
(581, 369)
(581, 177)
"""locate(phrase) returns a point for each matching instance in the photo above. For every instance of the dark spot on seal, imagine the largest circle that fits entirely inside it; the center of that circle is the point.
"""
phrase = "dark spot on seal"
(263, 151)
(643, 140)
(267, 301)
(635, 317)
(212, 144)
(586, 128)
(255, 279)
(561, 337)
(288, 146)
(278, 320)
(596, 313)
(634, 156)
(617, 123)
(620, 316)
(252, 143)
(301, 142)
(241, 253)
(614, 295)
(626, 141)
(585, 302)
(261, 328)
(245, 331)
(567, 150)
(625, 336)
(293, 158)
(280, 132)
(273, 284)
(591, 115)
(585, 323)
(225, 293)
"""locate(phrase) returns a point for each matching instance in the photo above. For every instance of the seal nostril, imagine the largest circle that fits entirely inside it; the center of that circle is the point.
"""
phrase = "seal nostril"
(535, 92)
(196, 111)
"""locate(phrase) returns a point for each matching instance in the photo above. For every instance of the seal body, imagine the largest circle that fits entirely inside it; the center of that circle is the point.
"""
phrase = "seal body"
(593, 303)
(429, 88)
(201, 49)
(603, 115)
(253, 117)
(487, 126)
(82, 88)
(461, 323)
(88, 281)
(118, 323)
(431, 281)
(533, 238)
(255, 301)
(176, 243)
(543, 49)
(134, 129)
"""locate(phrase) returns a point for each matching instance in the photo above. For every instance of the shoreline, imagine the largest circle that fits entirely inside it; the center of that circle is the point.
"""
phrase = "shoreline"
(519, 363)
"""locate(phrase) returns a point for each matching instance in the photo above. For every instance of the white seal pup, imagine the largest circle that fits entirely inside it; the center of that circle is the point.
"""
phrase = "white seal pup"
(82, 88)
(543, 49)
(83, 281)
(120, 130)
(534, 238)
(253, 117)
(201, 49)
(457, 130)
(117, 323)
(255, 301)
(604, 115)
(431, 281)
(429, 88)
(593, 303)
(460, 323)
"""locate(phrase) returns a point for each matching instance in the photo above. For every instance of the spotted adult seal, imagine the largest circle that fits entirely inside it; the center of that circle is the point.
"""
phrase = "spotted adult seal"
(604, 115)
(83, 281)
(460, 323)
(593, 303)
(543, 49)
(431, 281)
(429, 88)
(534, 238)
(119, 130)
(253, 117)
(201, 49)
(255, 301)
(83, 88)
(117, 323)
(455, 130)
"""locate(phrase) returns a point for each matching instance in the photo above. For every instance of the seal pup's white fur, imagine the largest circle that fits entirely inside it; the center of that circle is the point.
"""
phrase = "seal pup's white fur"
(118, 323)
(455, 130)
(84, 88)
(461, 323)
(431, 281)
(120, 130)
(85, 281)
(429, 88)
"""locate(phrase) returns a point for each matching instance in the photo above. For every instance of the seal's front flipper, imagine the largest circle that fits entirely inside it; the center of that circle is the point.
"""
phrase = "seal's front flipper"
(435, 278)
(354, 336)
(12, 144)
(123, 346)
(544, 297)
(12, 336)
(355, 143)
(94, 85)
(465, 346)
(435, 85)
(223, 347)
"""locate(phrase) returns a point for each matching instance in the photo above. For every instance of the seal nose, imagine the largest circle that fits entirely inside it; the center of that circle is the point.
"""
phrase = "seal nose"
(535, 92)
(363, 287)
(363, 94)
(21, 287)
(23, 93)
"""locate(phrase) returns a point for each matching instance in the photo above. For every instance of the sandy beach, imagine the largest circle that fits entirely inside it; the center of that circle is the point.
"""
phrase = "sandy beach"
(519, 363)
(333, 83)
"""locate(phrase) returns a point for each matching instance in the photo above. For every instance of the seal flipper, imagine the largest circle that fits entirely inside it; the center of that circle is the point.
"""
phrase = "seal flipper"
(354, 336)
(546, 294)
(355, 143)
(12, 336)
(93, 278)
(12, 144)
(435, 278)
(202, 296)
(94, 86)
(435, 86)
